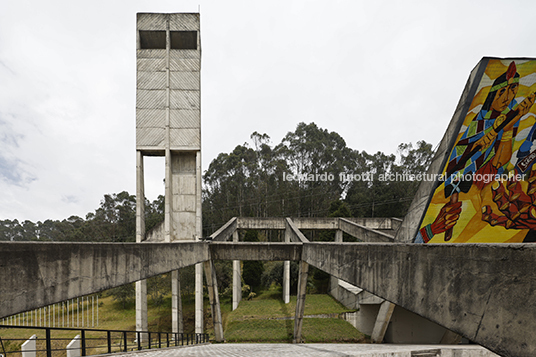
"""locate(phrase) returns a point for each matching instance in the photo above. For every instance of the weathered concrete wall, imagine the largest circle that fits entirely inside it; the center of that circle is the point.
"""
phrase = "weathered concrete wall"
(482, 292)
(38, 274)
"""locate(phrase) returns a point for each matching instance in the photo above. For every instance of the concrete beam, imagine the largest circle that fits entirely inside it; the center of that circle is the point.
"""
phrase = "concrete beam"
(226, 231)
(315, 223)
(300, 302)
(39, 274)
(382, 321)
(482, 292)
(363, 233)
(212, 287)
(261, 223)
(295, 234)
(255, 251)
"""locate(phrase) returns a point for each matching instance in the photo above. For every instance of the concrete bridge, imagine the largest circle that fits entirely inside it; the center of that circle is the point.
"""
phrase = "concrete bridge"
(445, 283)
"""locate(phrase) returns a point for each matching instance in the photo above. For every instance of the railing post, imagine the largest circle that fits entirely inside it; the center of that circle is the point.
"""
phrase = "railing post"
(167, 339)
(83, 333)
(159, 340)
(109, 336)
(125, 341)
(149, 340)
(48, 343)
(139, 340)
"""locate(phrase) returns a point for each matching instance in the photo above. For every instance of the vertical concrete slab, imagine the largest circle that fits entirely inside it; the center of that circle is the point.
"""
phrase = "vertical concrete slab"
(141, 308)
(333, 281)
(74, 347)
(382, 321)
(286, 272)
(237, 278)
(177, 323)
(212, 287)
(300, 302)
(28, 348)
(141, 286)
(199, 324)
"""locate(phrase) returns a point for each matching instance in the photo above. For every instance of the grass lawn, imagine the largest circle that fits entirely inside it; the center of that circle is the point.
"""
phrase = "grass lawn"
(260, 320)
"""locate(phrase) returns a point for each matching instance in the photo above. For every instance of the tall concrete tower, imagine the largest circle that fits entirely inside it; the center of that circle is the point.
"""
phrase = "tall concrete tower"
(168, 123)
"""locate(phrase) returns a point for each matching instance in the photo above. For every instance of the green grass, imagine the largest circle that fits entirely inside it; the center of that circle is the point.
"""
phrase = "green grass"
(256, 320)
(260, 320)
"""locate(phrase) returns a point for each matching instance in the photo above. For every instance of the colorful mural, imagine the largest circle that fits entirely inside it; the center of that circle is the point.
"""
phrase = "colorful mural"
(487, 190)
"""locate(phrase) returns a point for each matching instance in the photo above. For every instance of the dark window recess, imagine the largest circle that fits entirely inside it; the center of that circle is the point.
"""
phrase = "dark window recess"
(150, 40)
(183, 40)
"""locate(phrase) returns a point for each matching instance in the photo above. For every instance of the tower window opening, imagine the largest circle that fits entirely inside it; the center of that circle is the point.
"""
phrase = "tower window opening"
(183, 40)
(151, 40)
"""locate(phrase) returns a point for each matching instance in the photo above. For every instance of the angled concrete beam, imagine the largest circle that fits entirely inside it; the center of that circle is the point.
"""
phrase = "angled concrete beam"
(212, 287)
(300, 302)
(480, 291)
(255, 251)
(382, 321)
(363, 233)
(226, 231)
(39, 274)
(295, 234)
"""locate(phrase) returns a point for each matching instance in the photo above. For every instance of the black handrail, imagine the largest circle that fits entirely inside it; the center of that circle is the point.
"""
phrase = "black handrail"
(178, 338)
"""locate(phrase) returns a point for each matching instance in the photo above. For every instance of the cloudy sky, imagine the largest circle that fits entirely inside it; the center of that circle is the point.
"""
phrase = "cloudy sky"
(379, 73)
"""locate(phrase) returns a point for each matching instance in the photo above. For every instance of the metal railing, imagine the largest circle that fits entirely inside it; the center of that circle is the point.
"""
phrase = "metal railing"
(53, 341)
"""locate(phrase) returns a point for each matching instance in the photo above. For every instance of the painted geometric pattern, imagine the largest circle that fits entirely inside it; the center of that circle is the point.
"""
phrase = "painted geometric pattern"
(184, 80)
(185, 138)
(184, 99)
(150, 137)
(150, 118)
(150, 99)
(151, 80)
(185, 118)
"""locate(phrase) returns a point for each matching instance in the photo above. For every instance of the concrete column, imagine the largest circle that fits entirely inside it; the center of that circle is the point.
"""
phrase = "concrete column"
(168, 199)
(212, 287)
(237, 278)
(334, 282)
(300, 302)
(141, 308)
(177, 324)
(382, 321)
(199, 328)
(141, 286)
(286, 273)
(28, 348)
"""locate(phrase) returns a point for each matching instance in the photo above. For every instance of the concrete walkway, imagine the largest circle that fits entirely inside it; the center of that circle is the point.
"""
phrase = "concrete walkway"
(315, 350)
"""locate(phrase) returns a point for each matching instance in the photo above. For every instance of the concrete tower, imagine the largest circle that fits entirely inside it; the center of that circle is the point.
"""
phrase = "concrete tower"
(168, 123)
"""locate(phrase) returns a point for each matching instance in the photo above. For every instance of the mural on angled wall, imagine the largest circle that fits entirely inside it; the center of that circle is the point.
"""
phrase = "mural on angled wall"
(487, 189)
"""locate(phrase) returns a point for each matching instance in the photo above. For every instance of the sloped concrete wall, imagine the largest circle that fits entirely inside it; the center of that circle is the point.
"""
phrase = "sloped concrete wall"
(39, 274)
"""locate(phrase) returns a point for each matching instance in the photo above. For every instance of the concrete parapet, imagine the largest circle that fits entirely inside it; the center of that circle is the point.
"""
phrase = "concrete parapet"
(40, 274)
(473, 290)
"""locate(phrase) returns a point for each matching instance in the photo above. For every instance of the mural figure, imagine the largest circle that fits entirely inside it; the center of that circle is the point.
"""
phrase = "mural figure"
(481, 155)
